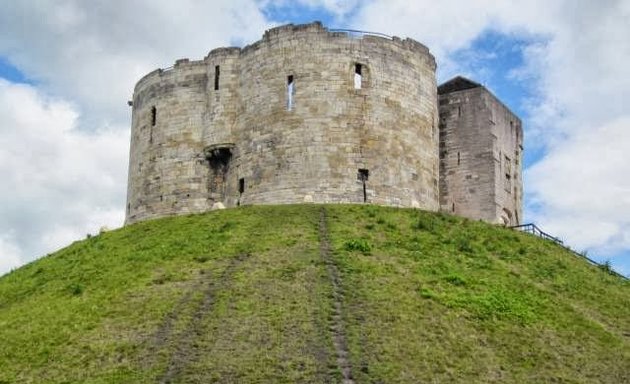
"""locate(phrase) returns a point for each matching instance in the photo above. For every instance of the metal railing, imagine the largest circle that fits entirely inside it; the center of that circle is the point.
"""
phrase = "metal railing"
(360, 33)
(536, 231)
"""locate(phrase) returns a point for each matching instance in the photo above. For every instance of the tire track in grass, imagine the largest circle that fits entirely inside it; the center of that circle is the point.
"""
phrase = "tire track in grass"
(185, 348)
(336, 326)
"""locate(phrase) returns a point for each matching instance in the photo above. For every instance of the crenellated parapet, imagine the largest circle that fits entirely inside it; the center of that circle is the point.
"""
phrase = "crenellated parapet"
(304, 114)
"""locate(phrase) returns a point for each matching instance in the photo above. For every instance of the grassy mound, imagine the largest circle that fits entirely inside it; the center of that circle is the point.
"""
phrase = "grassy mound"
(313, 294)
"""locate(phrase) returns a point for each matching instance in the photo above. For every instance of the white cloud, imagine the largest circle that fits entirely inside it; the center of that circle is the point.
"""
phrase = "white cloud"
(10, 256)
(65, 162)
(581, 191)
(576, 66)
(449, 25)
(93, 53)
(65, 139)
(60, 183)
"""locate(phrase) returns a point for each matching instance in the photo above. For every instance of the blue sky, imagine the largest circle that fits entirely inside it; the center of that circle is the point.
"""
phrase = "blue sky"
(68, 68)
(11, 73)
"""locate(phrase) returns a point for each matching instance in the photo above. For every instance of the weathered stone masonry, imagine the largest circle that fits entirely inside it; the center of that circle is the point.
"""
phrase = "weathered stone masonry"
(481, 146)
(303, 115)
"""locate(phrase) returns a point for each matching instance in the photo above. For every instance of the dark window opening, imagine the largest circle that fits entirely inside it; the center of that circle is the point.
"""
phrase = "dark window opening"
(290, 92)
(458, 158)
(153, 116)
(453, 207)
(241, 185)
(363, 176)
(161, 197)
(358, 76)
(217, 72)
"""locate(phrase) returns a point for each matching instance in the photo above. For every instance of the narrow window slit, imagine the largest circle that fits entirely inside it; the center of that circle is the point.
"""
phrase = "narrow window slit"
(153, 116)
(458, 158)
(241, 185)
(358, 76)
(363, 176)
(217, 73)
(290, 91)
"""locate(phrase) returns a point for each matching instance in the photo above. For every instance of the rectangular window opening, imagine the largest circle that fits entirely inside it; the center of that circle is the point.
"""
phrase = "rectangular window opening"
(458, 158)
(358, 76)
(217, 72)
(241, 185)
(363, 176)
(290, 91)
(153, 116)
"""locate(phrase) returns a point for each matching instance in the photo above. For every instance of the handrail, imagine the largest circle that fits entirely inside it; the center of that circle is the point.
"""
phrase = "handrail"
(536, 231)
(358, 32)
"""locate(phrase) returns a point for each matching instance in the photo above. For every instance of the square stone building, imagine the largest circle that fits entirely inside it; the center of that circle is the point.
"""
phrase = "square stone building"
(481, 149)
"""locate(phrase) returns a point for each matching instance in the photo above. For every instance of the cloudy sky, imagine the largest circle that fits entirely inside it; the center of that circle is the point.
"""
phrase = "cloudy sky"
(68, 67)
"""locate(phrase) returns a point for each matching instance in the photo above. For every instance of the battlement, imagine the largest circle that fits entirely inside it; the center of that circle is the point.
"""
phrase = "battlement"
(295, 32)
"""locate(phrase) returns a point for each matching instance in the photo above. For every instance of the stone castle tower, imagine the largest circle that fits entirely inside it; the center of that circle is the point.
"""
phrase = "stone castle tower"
(481, 147)
(306, 114)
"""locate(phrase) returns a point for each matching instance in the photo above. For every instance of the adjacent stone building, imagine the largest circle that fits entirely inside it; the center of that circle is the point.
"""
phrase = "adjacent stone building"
(306, 114)
(481, 146)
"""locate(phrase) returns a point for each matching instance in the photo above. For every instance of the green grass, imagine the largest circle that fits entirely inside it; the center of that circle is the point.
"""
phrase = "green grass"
(243, 295)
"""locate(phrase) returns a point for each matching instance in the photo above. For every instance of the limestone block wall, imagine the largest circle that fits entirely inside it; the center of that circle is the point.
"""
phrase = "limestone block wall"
(507, 150)
(481, 144)
(224, 132)
(166, 173)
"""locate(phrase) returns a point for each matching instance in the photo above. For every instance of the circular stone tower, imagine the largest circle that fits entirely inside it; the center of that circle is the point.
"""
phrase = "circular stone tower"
(306, 114)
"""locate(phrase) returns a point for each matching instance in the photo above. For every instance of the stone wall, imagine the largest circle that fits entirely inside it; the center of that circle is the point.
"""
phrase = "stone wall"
(481, 143)
(241, 144)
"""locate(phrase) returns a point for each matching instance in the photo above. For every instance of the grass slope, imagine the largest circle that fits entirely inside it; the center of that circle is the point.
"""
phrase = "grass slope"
(313, 294)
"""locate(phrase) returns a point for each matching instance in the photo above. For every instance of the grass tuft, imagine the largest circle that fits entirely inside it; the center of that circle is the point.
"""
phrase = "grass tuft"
(360, 245)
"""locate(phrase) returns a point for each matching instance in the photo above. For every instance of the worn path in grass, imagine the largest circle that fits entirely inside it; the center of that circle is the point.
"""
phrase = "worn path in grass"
(186, 350)
(336, 322)
(312, 294)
